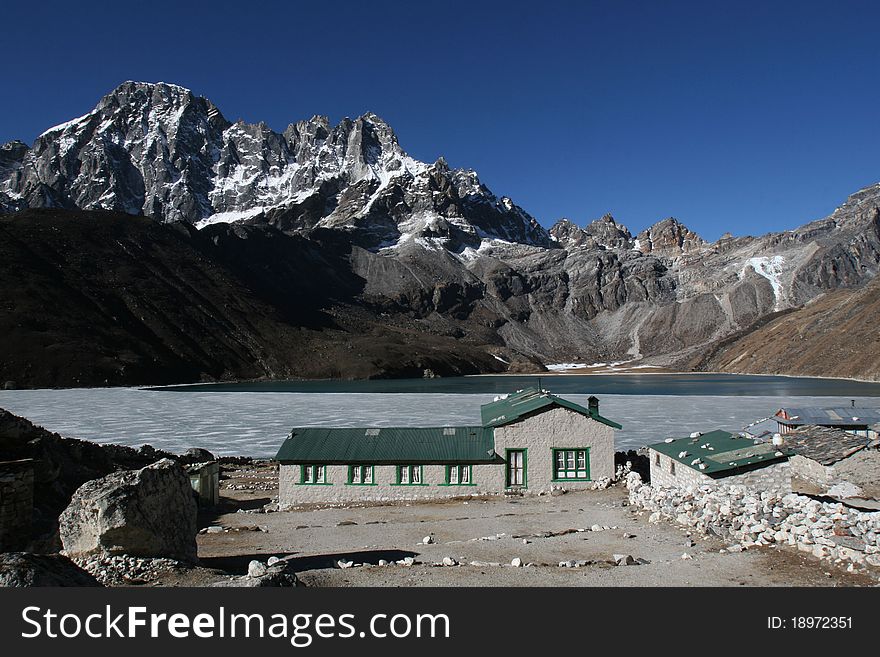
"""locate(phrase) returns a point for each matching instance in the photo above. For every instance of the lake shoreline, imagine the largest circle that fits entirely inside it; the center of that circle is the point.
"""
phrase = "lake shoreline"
(660, 371)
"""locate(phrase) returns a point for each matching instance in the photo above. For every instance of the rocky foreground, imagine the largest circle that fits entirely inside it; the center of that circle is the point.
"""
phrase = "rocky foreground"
(143, 526)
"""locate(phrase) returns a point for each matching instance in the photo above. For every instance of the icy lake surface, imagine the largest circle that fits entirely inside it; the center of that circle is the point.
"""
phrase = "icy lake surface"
(255, 423)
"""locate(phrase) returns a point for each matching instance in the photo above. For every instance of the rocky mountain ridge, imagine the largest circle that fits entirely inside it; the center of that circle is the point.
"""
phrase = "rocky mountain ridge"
(419, 249)
(161, 151)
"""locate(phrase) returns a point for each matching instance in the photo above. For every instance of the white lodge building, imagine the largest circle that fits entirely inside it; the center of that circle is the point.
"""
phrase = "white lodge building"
(528, 441)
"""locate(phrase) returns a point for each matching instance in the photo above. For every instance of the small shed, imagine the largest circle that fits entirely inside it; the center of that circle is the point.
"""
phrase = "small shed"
(861, 421)
(720, 457)
(205, 481)
(824, 456)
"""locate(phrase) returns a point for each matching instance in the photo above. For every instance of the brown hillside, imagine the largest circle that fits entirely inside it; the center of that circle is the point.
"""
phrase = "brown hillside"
(838, 335)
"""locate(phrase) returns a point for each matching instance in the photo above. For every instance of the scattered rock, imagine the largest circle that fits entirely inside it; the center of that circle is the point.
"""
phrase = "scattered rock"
(516, 562)
(21, 569)
(449, 561)
(125, 570)
(278, 575)
(845, 489)
(256, 569)
(197, 455)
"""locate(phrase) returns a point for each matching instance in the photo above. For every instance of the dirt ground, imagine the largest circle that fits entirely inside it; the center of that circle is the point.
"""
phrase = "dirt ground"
(541, 531)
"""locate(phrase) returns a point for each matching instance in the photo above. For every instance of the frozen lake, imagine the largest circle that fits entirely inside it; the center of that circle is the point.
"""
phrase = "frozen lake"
(255, 423)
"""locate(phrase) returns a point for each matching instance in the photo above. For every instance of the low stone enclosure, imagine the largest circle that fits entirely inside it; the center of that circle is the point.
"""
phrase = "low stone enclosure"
(830, 531)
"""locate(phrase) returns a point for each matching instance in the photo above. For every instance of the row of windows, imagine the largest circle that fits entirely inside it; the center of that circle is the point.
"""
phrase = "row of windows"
(568, 465)
(407, 475)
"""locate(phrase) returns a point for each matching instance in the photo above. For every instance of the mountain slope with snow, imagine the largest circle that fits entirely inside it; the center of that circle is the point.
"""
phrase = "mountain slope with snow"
(161, 151)
(427, 248)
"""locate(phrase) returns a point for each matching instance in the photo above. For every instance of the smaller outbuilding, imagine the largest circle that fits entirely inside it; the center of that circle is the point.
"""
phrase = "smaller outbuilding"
(205, 481)
(824, 457)
(720, 457)
(852, 419)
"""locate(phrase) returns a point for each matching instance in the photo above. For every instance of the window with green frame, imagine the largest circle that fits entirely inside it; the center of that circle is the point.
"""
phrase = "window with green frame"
(410, 475)
(313, 473)
(571, 464)
(459, 475)
(360, 475)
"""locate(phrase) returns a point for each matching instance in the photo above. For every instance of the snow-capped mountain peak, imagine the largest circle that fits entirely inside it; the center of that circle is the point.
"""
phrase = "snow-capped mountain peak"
(158, 149)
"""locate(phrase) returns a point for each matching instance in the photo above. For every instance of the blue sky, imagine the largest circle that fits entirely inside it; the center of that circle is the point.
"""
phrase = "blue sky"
(745, 116)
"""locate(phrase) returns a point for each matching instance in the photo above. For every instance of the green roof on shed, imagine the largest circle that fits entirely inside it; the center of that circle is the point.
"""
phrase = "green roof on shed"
(389, 445)
(524, 402)
(721, 452)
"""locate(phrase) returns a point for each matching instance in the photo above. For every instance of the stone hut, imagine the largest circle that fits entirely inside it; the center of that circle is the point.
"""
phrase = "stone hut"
(824, 456)
(719, 457)
(527, 442)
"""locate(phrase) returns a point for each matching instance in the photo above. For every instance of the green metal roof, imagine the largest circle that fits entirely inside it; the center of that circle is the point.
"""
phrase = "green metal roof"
(721, 452)
(524, 402)
(389, 446)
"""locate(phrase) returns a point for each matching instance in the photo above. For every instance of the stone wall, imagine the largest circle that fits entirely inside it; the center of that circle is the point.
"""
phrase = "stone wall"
(747, 518)
(538, 434)
(684, 476)
(16, 504)
(775, 477)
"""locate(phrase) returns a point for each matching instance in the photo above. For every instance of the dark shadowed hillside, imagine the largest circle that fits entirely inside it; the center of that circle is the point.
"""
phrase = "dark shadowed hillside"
(97, 298)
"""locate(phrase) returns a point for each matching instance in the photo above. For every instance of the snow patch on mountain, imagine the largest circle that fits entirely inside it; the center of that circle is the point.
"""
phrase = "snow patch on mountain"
(228, 217)
(770, 267)
(67, 124)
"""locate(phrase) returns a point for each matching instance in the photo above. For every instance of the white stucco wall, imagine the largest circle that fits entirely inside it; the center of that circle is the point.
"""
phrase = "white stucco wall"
(558, 428)
(538, 434)
(383, 489)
